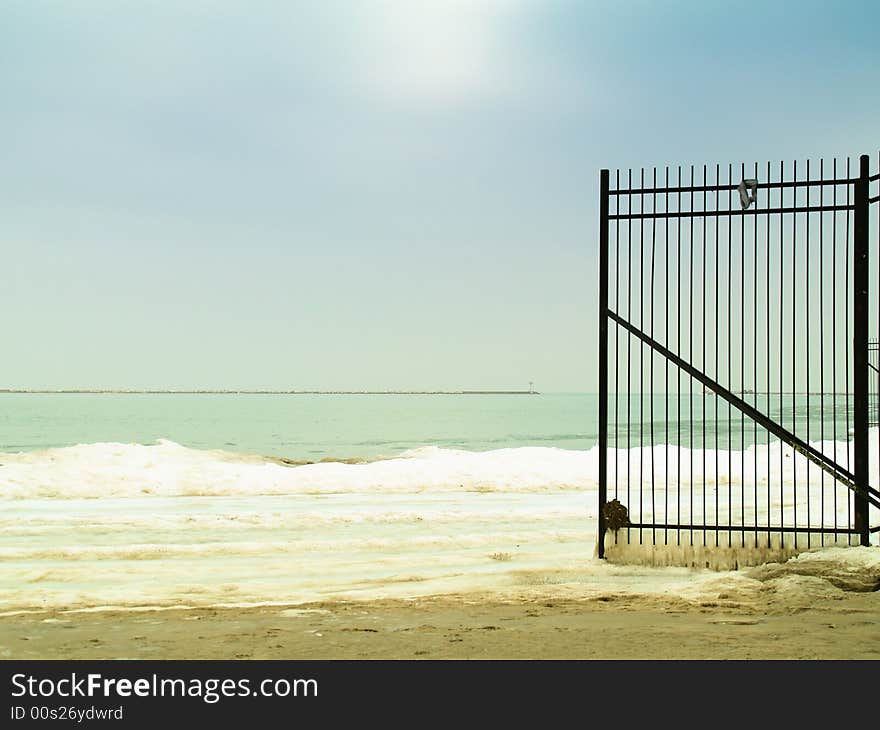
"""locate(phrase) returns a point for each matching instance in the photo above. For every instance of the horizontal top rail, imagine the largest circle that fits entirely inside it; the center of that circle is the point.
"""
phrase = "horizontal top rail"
(727, 212)
(731, 186)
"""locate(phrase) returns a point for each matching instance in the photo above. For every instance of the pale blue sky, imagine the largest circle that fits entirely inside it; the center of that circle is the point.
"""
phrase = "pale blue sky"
(360, 194)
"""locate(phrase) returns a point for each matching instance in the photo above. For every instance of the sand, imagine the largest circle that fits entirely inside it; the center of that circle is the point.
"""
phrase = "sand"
(771, 612)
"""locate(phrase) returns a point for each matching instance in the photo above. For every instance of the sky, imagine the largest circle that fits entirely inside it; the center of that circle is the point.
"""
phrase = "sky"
(366, 194)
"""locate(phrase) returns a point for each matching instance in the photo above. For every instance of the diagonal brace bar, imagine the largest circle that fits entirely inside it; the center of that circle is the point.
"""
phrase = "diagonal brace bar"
(817, 457)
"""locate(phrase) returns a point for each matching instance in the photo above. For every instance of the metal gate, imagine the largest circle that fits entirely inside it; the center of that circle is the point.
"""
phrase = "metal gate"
(739, 387)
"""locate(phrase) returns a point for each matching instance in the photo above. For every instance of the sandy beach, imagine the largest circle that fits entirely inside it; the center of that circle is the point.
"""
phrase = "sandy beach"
(819, 608)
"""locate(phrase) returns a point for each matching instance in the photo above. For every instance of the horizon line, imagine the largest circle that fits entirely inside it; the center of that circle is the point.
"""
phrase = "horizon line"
(253, 391)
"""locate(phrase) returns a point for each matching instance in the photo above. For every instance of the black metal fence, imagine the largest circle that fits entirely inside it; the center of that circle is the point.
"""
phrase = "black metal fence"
(737, 381)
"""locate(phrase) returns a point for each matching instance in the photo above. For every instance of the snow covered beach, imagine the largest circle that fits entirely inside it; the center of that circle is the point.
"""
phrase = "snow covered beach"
(132, 526)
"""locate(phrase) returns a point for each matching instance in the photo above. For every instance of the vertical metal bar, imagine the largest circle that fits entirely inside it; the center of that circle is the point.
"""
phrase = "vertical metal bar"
(794, 319)
(717, 374)
(860, 348)
(834, 332)
(807, 358)
(651, 356)
(691, 359)
(628, 344)
(781, 352)
(616, 338)
(703, 390)
(678, 352)
(822, 342)
(847, 345)
(603, 355)
(755, 336)
(730, 356)
(666, 390)
(877, 331)
(768, 290)
(641, 355)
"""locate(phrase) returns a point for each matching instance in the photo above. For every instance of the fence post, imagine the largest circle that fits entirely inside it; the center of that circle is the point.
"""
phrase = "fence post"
(860, 349)
(603, 355)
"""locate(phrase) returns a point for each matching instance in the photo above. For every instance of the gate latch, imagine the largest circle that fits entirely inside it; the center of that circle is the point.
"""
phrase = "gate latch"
(748, 191)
